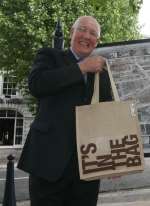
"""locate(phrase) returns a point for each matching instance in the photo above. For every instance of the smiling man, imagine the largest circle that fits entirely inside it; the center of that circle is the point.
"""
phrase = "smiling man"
(85, 33)
(57, 80)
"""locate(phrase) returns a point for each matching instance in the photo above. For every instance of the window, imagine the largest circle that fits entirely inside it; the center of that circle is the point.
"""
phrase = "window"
(9, 86)
(11, 127)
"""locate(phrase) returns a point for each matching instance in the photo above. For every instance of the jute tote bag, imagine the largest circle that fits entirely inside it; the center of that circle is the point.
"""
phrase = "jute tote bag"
(108, 137)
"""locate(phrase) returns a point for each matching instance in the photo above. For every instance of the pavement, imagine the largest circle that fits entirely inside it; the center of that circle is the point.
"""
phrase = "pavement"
(128, 190)
(136, 197)
(127, 204)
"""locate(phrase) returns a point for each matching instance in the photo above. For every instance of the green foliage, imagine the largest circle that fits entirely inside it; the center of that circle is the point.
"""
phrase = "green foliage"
(26, 25)
(118, 19)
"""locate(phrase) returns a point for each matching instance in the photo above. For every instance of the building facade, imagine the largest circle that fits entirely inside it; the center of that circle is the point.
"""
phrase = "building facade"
(15, 118)
(130, 67)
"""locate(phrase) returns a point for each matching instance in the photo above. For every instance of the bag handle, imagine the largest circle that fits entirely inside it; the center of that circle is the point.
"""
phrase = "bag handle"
(95, 97)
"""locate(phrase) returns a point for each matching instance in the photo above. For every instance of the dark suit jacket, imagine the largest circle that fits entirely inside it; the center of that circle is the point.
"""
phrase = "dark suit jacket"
(58, 84)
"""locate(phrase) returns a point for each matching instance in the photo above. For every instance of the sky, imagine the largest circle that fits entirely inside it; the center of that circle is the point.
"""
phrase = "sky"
(144, 18)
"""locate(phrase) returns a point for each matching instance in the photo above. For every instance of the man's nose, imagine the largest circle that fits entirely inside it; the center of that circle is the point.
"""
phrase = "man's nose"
(87, 34)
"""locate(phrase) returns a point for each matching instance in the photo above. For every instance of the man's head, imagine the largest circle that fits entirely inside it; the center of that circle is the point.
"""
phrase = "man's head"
(85, 33)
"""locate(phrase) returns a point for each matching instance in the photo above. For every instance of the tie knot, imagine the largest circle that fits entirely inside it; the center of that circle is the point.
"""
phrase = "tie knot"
(80, 59)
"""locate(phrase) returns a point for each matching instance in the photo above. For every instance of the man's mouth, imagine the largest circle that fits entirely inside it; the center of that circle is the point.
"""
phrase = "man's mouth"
(84, 44)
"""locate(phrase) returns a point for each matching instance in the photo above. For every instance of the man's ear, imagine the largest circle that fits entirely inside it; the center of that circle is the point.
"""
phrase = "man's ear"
(97, 42)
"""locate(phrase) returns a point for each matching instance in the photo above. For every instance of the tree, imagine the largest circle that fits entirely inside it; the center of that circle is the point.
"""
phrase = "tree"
(26, 25)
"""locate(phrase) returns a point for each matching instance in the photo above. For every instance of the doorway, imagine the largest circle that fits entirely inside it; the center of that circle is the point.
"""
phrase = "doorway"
(7, 131)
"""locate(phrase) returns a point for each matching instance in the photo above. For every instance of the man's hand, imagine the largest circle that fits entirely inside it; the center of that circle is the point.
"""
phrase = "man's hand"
(92, 64)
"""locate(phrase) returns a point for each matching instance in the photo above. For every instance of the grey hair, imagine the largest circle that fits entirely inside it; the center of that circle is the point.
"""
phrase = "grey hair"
(77, 22)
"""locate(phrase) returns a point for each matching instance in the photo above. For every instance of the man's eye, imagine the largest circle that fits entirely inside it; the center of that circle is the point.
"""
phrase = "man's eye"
(82, 29)
(93, 34)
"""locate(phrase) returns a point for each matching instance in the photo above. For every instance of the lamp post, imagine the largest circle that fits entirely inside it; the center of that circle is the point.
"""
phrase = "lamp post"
(58, 41)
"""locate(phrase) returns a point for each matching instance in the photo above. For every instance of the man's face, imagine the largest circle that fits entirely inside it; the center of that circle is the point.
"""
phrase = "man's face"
(84, 37)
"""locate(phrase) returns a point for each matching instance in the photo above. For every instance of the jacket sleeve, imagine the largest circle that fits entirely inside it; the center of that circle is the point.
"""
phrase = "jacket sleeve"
(48, 76)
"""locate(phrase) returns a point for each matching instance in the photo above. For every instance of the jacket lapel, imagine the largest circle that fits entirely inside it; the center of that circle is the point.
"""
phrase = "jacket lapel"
(89, 85)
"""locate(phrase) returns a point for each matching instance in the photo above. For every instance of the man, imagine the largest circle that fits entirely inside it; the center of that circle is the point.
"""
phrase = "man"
(60, 81)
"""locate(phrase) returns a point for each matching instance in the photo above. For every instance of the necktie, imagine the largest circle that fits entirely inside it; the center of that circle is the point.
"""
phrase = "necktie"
(84, 75)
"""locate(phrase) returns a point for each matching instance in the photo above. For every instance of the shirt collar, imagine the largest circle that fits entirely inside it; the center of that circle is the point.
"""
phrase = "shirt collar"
(75, 55)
